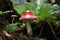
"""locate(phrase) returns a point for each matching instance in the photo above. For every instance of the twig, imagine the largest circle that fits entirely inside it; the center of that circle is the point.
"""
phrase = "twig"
(52, 29)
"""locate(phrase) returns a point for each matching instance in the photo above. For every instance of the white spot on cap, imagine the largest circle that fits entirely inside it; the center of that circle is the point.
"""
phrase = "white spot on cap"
(28, 16)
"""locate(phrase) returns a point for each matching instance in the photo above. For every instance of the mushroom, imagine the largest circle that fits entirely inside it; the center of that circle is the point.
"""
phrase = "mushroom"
(6, 34)
(27, 16)
(13, 17)
(53, 1)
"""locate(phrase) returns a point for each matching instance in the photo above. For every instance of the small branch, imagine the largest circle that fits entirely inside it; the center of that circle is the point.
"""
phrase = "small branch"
(52, 29)
(41, 29)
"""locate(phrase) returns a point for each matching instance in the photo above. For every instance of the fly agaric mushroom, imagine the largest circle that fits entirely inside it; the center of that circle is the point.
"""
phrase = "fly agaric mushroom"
(28, 15)
(13, 17)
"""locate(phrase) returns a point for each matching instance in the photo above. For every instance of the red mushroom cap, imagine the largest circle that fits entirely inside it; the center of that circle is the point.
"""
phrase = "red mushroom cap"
(27, 15)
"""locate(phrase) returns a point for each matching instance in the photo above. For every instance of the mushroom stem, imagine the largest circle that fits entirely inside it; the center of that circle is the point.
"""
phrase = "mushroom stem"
(13, 19)
(29, 30)
(6, 34)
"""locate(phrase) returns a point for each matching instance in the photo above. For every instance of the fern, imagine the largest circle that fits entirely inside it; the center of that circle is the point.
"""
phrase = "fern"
(44, 12)
(11, 27)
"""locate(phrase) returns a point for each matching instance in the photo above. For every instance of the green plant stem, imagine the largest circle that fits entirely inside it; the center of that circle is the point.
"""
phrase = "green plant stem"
(29, 30)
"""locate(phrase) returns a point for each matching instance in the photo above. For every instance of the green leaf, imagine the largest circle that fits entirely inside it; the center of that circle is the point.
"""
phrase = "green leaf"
(18, 8)
(31, 7)
(0, 12)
